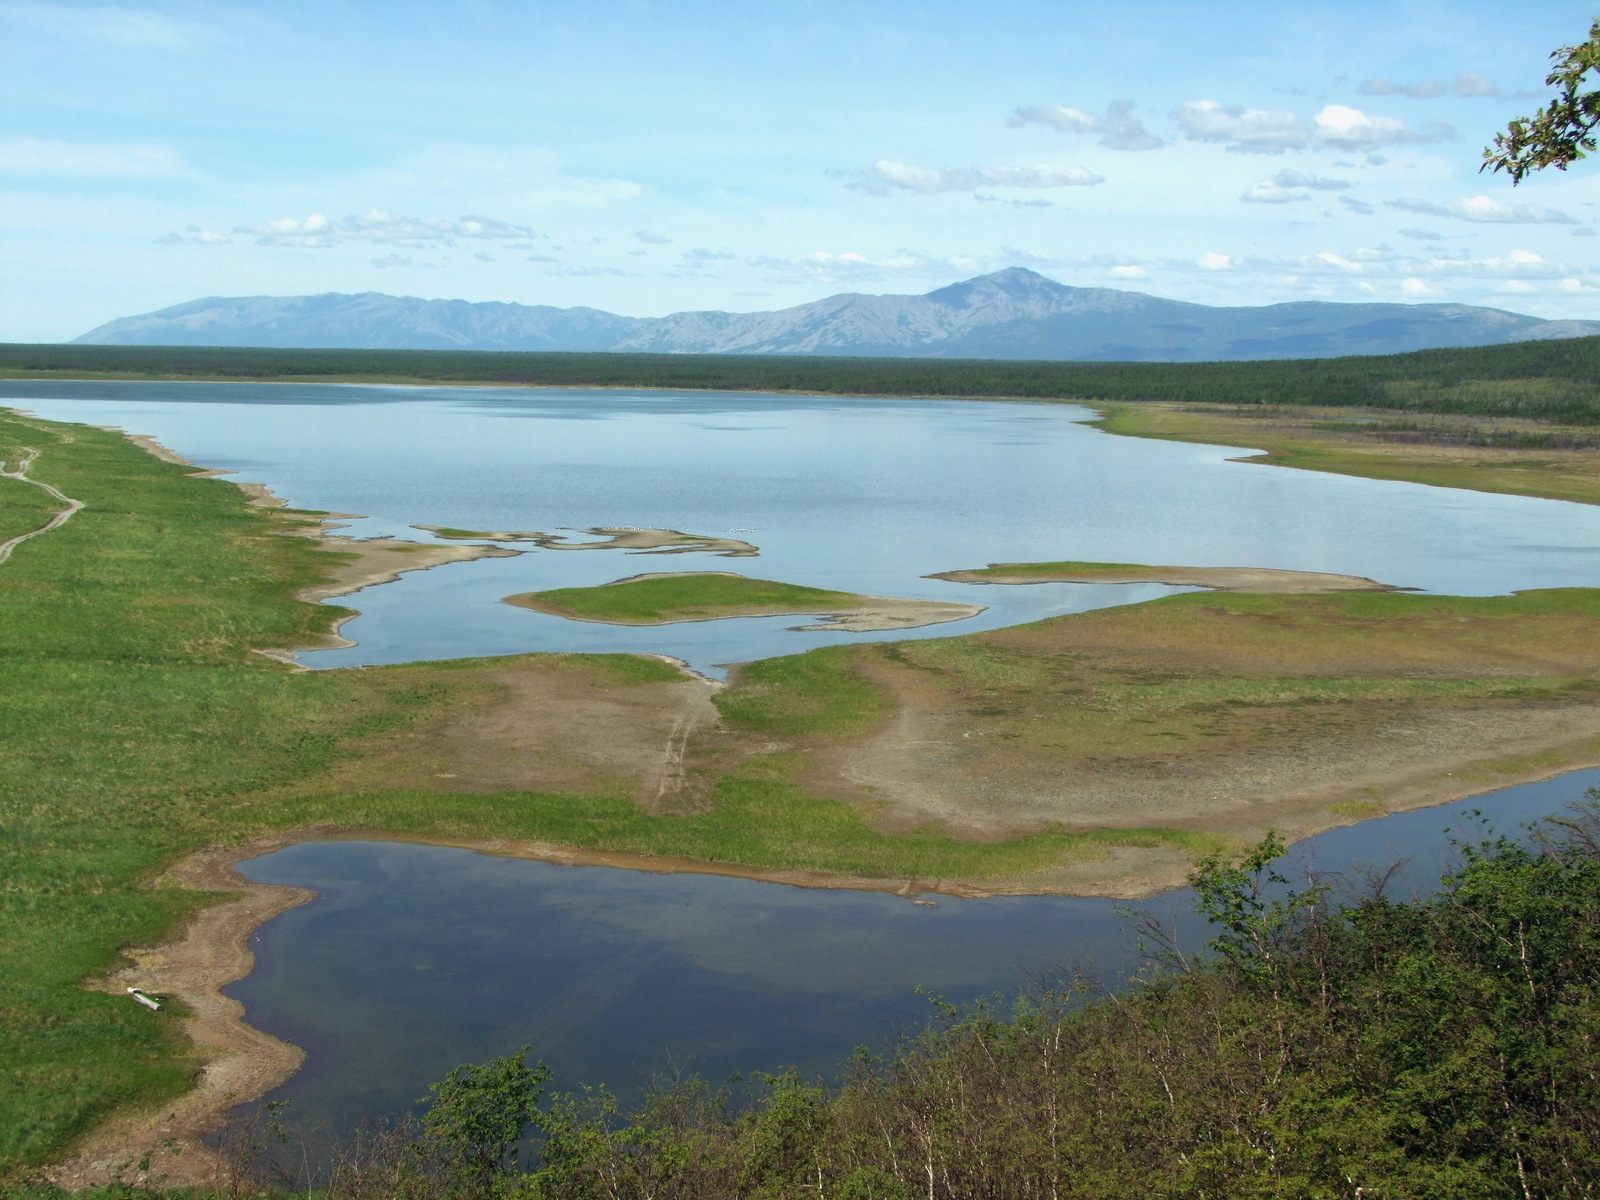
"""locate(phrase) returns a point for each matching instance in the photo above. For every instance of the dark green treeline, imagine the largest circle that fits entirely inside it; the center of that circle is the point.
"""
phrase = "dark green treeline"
(1550, 381)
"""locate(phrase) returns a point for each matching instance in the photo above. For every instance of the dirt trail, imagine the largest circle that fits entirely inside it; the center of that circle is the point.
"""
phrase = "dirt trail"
(29, 455)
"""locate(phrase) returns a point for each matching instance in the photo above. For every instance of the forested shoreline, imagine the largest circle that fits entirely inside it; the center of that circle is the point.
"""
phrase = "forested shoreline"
(1547, 380)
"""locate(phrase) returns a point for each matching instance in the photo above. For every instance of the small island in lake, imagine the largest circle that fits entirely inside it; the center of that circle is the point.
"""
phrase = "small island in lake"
(665, 599)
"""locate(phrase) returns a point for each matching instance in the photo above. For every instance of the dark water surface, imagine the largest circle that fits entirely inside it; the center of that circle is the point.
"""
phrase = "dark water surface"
(413, 959)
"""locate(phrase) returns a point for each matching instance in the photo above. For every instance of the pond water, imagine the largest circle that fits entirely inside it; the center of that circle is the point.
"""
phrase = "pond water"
(413, 959)
(860, 495)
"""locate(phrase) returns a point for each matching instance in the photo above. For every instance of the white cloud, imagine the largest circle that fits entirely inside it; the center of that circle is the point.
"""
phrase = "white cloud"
(826, 267)
(1272, 131)
(395, 260)
(885, 177)
(1267, 192)
(1380, 86)
(1421, 235)
(652, 239)
(1212, 261)
(109, 23)
(590, 272)
(1118, 128)
(193, 235)
(701, 255)
(1294, 179)
(1412, 286)
(1357, 206)
(318, 232)
(1128, 272)
(1486, 209)
(38, 156)
(1469, 84)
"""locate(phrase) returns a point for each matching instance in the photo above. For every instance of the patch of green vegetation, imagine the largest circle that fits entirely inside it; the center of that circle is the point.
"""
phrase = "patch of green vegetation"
(758, 817)
(453, 534)
(699, 597)
(819, 692)
(1488, 461)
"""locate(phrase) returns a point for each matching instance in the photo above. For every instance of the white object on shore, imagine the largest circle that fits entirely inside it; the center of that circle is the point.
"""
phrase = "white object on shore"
(138, 994)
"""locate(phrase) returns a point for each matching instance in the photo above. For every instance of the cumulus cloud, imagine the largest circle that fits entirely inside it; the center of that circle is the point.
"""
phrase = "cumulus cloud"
(1380, 86)
(193, 235)
(40, 156)
(885, 177)
(1288, 186)
(1117, 127)
(1486, 209)
(652, 239)
(1272, 131)
(827, 267)
(1128, 271)
(1267, 192)
(320, 233)
(586, 272)
(1212, 261)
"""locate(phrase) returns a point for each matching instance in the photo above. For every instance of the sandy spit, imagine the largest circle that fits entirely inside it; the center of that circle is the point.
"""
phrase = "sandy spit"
(1256, 580)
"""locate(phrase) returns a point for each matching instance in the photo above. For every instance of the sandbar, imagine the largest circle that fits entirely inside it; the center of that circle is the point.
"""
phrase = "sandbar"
(1260, 581)
(637, 541)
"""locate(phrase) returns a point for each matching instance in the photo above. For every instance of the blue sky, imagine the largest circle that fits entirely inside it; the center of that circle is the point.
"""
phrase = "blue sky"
(647, 157)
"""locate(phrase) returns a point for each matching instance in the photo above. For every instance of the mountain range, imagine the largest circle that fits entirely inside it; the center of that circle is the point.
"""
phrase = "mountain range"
(1014, 314)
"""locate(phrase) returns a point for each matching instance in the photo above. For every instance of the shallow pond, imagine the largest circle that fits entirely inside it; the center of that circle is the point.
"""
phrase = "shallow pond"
(413, 959)
(860, 495)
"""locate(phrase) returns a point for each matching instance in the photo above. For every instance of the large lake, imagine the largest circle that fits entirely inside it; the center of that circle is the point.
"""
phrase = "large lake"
(859, 495)
(413, 959)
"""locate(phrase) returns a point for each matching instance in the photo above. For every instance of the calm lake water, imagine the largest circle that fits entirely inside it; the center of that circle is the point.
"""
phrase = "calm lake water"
(413, 959)
(859, 495)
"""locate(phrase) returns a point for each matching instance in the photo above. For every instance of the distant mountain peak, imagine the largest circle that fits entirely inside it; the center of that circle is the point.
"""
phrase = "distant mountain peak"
(1011, 314)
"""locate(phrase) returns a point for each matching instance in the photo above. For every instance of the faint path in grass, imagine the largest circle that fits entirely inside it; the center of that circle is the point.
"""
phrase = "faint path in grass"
(29, 455)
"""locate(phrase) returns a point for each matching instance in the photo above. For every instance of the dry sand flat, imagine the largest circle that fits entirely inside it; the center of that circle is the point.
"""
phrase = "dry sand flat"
(1299, 716)
(1259, 581)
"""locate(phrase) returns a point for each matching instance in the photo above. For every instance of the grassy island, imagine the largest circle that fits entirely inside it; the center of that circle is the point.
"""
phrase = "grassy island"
(712, 595)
